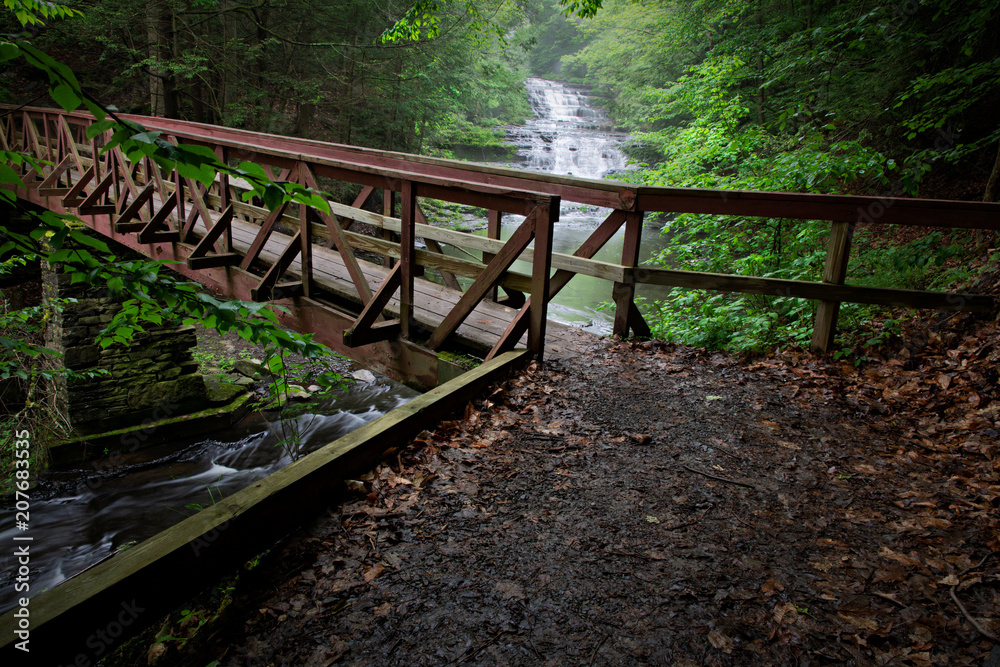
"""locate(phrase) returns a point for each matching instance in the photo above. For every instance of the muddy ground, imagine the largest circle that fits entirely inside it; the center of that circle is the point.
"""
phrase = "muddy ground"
(640, 503)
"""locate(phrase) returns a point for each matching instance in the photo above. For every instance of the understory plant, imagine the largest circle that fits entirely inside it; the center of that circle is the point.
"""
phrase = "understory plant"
(706, 141)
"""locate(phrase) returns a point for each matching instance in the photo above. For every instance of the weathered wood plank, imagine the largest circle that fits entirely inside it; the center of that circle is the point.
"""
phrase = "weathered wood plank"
(802, 289)
(623, 291)
(454, 265)
(90, 205)
(264, 289)
(340, 243)
(544, 221)
(124, 222)
(838, 253)
(157, 228)
(478, 289)
(214, 260)
(207, 242)
(356, 335)
(839, 208)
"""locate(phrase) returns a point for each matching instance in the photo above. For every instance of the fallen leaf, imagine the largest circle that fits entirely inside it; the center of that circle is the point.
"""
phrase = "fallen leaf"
(373, 572)
(509, 590)
(720, 641)
(859, 621)
(771, 587)
(785, 610)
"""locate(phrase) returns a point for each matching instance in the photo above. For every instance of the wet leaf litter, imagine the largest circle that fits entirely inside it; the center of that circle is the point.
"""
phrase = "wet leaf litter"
(640, 503)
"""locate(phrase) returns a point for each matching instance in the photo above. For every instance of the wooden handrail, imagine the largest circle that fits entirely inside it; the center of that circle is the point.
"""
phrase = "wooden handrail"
(507, 190)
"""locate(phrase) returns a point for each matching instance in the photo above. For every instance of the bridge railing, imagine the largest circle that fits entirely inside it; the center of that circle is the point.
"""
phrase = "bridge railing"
(630, 204)
(169, 216)
(403, 178)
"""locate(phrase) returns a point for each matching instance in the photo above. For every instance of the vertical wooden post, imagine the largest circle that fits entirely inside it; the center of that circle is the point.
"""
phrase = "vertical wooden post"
(545, 219)
(305, 230)
(179, 208)
(388, 210)
(226, 198)
(305, 256)
(624, 293)
(407, 262)
(493, 232)
(838, 250)
(48, 142)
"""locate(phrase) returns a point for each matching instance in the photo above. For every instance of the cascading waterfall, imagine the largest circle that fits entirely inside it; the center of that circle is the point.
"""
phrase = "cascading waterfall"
(568, 135)
(571, 137)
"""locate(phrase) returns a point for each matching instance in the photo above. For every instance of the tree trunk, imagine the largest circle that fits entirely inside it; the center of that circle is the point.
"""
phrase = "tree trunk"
(760, 68)
(993, 185)
(304, 119)
(162, 85)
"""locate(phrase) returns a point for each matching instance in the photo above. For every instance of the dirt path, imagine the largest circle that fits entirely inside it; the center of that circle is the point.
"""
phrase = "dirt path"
(641, 504)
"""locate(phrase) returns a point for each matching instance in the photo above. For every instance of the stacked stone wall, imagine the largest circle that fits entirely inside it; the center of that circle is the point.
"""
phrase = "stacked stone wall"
(153, 378)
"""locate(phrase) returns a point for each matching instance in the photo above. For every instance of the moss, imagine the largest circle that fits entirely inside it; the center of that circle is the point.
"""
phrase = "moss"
(453, 216)
(466, 361)
(144, 435)
(223, 392)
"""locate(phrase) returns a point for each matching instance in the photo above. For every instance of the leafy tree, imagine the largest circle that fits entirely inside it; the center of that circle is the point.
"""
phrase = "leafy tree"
(306, 68)
(148, 294)
(808, 97)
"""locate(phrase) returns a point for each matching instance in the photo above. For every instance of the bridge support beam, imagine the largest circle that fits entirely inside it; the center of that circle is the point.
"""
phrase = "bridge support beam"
(838, 252)
(627, 315)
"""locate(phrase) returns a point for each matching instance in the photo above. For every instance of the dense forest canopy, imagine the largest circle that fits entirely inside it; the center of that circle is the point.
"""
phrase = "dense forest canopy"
(850, 96)
(306, 68)
(717, 91)
(846, 96)
(720, 86)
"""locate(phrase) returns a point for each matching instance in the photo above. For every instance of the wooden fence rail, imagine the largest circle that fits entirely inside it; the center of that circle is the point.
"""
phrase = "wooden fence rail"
(196, 224)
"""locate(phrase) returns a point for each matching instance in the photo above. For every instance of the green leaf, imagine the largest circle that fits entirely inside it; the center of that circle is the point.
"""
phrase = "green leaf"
(8, 51)
(274, 196)
(99, 127)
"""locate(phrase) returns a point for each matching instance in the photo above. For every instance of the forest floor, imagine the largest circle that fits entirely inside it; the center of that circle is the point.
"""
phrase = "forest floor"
(644, 503)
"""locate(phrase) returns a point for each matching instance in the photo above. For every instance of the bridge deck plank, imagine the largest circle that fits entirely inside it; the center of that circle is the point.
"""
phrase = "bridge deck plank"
(432, 301)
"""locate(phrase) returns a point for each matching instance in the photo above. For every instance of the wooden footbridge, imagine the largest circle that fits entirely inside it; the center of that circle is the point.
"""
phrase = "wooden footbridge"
(383, 312)
(319, 266)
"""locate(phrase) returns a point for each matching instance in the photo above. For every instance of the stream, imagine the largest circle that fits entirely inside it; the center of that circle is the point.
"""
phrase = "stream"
(79, 518)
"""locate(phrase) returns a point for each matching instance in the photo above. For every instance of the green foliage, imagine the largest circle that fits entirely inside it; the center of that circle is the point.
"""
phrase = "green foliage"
(844, 97)
(147, 294)
(37, 12)
(922, 253)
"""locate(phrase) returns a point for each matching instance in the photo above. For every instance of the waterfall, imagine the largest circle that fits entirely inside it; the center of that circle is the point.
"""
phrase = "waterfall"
(568, 135)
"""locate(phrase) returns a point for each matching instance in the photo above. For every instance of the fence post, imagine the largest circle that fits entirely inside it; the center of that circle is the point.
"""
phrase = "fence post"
(545, 218)
(306, 239)
(388, 210)
(624, 293)
(407, 261)
(838, 251)
(492, 232)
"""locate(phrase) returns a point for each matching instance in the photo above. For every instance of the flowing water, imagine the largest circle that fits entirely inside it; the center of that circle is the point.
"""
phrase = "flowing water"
(571, 136)
(85, 517)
